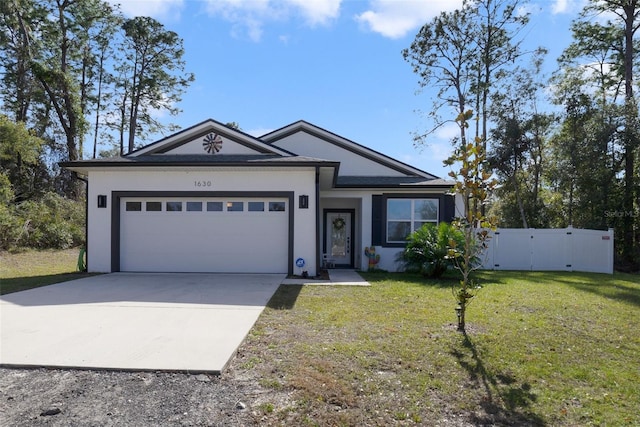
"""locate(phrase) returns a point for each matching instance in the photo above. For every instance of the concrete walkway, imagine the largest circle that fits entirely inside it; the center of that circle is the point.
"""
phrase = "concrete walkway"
(336, 277)
(128, 321)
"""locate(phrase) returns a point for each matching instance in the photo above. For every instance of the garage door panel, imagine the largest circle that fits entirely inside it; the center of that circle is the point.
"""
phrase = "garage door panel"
(204, 241)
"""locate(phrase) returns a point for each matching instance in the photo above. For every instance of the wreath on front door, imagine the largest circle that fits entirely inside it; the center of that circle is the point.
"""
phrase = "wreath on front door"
(338, 223)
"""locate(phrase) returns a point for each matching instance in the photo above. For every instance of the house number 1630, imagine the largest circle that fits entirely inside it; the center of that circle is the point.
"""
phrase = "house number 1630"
(202, 183)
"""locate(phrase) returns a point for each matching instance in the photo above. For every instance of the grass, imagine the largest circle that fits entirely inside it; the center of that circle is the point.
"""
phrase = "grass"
(541, 349)
(547, 348)
(30, 269)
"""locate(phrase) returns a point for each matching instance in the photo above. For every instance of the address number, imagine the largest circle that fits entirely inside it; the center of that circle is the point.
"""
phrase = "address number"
(202, 183)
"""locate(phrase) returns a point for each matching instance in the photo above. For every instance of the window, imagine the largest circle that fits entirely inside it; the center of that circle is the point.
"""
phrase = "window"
(174, 206)
(256, 206)
(194, 206)
(407, 215)
(277, 206)
(133, 206)
(154, 206)
(235, 206)
(214, 206)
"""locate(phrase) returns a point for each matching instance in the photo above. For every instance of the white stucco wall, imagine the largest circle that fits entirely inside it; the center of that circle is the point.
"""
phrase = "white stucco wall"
(351, 164)
(102, 182)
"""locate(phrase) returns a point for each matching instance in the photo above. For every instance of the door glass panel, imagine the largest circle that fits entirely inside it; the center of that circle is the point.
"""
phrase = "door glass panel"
(133, 206)
(214, 206)
(256, 206)
(235, 206)
(154, 206)
(194, 206)
(174, 206)
(276, 206)
(338, 237)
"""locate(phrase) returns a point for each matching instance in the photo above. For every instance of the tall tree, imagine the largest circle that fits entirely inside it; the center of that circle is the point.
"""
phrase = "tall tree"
(19, 20)
(20, 162)
(460, 53)
(442, 54)
(518, 149)
(153, 77)
(606, 31)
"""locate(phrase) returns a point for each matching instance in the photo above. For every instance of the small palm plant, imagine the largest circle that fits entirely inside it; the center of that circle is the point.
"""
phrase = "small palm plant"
(427, 249)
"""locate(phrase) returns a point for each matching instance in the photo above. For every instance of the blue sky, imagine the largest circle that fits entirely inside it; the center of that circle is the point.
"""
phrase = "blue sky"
(334, 63)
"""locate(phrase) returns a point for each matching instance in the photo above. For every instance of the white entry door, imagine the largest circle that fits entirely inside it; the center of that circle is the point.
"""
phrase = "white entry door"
(339, 239)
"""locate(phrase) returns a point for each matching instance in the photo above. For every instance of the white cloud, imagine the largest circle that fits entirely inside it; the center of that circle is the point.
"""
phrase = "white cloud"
(250, 16)
(157, 9)
(447, 132)
(566, 6)
(317, 11)
(396, 18)
(559, 6)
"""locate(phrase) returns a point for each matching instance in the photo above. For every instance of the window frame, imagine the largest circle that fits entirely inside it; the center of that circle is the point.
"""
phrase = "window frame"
(437, 199)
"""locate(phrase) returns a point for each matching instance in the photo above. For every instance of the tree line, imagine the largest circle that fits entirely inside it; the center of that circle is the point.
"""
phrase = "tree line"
(78, 73)
(564, 147)
(77, 80)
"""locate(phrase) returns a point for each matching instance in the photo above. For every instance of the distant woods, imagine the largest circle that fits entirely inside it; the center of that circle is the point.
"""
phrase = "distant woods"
(86, 80)
(77, 80)
(563, 146)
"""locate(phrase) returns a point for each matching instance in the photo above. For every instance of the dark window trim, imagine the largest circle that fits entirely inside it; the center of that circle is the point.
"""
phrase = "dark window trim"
(383, 219)
(116, 197)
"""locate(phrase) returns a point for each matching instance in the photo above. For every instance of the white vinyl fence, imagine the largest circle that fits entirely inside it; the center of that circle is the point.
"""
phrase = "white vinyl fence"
(567, 249)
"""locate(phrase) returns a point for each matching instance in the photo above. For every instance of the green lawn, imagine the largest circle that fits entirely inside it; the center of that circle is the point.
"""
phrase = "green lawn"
(558, 349)
(30, 269)
(541, 349)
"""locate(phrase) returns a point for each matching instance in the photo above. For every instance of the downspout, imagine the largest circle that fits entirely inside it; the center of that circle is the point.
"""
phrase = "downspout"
(318, 244)
(86, 218)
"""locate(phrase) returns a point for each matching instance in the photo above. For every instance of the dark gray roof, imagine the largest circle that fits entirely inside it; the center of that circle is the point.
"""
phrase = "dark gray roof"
(198, 160)
(391, 181)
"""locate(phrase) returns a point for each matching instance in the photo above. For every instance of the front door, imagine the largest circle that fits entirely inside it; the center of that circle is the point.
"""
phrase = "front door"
(338, 242)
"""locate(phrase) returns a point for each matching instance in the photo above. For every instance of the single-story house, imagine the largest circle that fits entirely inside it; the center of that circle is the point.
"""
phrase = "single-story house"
(215, 199)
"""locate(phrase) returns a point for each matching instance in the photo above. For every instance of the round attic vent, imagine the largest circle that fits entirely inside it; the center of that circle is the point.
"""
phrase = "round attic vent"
(212, 143)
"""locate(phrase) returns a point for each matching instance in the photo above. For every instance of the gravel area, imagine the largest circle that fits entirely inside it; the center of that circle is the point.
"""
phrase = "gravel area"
(49, 397)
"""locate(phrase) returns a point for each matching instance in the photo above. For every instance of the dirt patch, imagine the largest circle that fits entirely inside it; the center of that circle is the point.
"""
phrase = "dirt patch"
(91, 398)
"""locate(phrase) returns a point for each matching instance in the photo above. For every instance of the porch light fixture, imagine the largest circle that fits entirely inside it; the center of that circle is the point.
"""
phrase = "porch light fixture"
(303, 202)
(102, 201)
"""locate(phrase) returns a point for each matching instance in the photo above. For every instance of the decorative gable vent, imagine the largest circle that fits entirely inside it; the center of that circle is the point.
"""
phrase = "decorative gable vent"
(212, 143)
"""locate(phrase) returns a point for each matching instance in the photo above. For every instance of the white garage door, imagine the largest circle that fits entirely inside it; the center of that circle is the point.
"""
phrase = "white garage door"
(227, 235)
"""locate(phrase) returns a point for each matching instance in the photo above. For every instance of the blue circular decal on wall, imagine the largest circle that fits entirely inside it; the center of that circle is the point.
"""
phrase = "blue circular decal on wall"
(300, 262)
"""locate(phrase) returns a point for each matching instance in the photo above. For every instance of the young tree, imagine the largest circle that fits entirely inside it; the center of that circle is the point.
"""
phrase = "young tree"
(473, 182)
(152, 77)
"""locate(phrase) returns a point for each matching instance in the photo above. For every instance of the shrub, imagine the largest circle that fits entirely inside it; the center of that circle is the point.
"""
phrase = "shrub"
(50, 222)
(427, 249)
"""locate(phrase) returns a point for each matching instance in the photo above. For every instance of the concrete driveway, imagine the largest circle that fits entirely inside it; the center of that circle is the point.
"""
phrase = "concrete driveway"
(134, 321)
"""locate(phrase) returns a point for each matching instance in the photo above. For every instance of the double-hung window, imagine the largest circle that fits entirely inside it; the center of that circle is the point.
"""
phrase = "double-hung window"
(404, 216)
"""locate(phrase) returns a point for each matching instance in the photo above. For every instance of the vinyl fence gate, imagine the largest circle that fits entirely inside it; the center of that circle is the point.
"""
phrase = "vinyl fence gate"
(568, 249)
